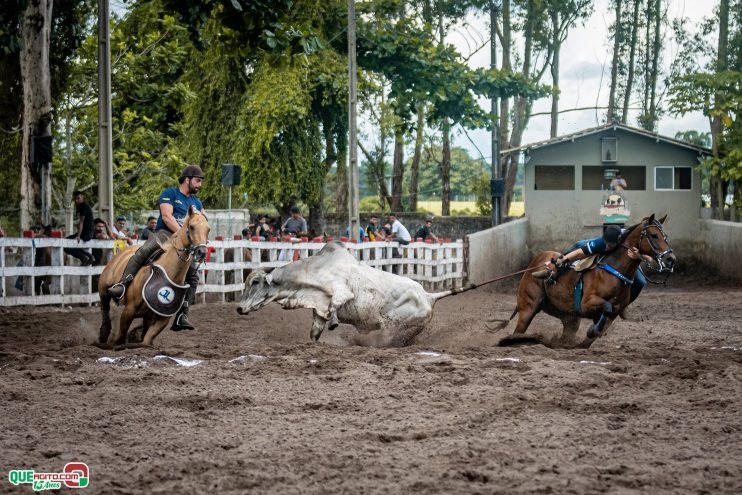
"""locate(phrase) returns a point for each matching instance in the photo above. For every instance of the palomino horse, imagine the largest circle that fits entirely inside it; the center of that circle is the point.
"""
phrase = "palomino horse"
(605, 289)
(185, 245)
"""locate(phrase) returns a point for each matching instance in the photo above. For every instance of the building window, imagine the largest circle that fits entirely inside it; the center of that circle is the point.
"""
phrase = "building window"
(554, 178)
(673, 178)
(594, 178)
(609, 149)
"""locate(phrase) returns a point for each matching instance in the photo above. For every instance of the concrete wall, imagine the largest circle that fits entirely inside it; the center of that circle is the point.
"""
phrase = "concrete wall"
(447, 227)
(720, 246)
(498, 251)
(558, 218)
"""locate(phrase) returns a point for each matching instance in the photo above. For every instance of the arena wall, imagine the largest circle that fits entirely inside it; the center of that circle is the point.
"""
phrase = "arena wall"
(497, 251)
(720, 246)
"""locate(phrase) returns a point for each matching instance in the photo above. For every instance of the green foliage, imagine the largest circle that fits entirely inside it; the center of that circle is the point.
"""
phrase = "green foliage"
(716, 94)
(464, 170)
(481, 187)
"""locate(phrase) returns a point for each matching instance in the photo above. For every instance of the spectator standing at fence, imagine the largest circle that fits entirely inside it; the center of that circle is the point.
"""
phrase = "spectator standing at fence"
(399, 233)
(2, 232)
(426, 232)
(263, 229)
(149, 229)
(120, 231)
(174, 206)
(102, 233)
(84, 229)
(295, 224)
(373, 231)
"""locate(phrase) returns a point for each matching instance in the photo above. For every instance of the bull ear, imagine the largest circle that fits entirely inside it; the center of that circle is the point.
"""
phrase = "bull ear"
(662, 220)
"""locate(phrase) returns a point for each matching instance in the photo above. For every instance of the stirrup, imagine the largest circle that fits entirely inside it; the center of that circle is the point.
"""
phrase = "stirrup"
(112, 291)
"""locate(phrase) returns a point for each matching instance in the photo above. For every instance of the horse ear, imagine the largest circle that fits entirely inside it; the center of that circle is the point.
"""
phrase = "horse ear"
(191, 211)
(662, 220)
(651, 218)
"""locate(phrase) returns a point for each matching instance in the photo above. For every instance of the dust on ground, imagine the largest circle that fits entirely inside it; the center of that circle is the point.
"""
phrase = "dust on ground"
(248, 404)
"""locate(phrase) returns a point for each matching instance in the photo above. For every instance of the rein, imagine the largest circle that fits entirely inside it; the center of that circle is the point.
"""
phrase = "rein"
(657, 254)
(189, 250)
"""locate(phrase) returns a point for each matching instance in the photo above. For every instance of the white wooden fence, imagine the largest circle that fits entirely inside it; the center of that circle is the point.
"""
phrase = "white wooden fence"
(436, 266)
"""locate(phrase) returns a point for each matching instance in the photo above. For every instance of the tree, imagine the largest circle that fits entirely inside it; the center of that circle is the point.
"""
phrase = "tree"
(34, 39)
(618, 34)
(716, 90)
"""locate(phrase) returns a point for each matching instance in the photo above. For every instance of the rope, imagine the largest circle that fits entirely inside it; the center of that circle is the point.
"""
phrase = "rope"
(502, 277)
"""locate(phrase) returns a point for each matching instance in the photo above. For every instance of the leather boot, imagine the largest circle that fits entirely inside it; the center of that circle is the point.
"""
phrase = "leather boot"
(181, 319)
(117, 291)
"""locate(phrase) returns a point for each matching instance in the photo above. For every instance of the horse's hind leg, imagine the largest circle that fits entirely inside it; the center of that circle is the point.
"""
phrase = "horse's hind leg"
(530, 299)
(105, 327)
(156, 325)
(569, 331)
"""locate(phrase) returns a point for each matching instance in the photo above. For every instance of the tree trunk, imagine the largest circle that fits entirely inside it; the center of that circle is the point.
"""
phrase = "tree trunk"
(655, 70)
(521, 112)
(614, 64)
(647, 58)
(398, 170)
(341, 189)
(632, 62)
(555, 73)
(415, 169)
(446, 170)
(716, 185)
(37, 108)
(506, 66)
(317, 211)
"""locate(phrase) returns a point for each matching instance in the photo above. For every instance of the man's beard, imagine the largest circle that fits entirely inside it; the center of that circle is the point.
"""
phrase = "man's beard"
(192, 189)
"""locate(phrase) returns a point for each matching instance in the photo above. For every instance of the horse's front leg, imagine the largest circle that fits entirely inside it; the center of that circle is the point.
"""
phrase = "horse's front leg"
(156, 325)
(606, 314)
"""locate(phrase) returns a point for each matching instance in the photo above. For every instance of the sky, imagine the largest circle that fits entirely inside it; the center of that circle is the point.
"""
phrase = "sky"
(585, 76)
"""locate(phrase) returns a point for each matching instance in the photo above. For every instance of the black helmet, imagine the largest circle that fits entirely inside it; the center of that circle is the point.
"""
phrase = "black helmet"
(192, 171)
(611, 234)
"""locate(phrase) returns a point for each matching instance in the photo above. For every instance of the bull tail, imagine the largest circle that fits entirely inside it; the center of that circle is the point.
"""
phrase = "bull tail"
(458, 290)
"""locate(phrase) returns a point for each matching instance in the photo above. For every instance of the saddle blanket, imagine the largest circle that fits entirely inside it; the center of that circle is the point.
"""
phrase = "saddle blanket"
(163, 296)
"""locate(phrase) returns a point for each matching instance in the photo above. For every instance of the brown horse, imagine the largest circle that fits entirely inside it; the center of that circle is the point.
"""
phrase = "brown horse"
(185, 245)
(604, 294)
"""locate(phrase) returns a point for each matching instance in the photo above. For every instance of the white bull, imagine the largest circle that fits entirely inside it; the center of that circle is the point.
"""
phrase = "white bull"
(339, 288)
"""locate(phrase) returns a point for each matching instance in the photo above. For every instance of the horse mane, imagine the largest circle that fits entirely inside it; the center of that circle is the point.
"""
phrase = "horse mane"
(627, 232)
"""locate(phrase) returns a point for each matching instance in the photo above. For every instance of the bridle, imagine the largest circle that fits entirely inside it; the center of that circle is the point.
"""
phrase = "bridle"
(658, 255)
(190, 250)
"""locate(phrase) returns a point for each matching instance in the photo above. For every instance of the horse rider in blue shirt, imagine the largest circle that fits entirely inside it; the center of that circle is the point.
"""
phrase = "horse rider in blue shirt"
(600, 245)
(174, 205)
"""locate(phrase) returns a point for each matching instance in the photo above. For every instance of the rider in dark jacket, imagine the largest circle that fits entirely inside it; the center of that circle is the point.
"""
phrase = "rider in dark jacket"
(174, 205)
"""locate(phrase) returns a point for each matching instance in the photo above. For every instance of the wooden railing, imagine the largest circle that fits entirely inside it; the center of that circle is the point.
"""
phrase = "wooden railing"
(64, 281)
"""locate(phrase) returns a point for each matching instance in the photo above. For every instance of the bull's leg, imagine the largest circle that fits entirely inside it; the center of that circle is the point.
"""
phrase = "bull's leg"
(105, 327)
(318, 326)
(340, 296)
(156, 325)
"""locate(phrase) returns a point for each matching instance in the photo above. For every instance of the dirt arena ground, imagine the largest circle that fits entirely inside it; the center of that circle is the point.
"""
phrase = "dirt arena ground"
(653, 407)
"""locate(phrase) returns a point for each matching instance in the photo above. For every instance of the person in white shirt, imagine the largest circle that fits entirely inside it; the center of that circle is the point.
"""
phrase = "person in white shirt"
(118, 229)
(399, 232)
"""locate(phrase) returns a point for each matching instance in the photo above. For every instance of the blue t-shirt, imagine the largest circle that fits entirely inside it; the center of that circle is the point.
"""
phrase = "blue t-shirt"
(594, 246)
(180, 203)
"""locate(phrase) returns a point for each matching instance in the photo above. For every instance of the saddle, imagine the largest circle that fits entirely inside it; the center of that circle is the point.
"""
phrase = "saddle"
(585, 264)
(163, 296)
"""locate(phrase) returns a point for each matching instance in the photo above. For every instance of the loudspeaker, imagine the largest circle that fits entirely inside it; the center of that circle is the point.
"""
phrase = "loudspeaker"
(41, 149)
(497, 188)
(230, 174)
